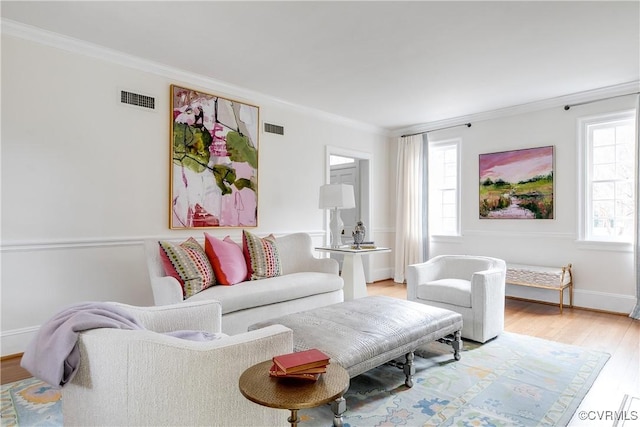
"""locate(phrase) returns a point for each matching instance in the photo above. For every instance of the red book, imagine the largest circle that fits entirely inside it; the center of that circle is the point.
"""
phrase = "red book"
(275, 372)
(301, 360)
(319, 370)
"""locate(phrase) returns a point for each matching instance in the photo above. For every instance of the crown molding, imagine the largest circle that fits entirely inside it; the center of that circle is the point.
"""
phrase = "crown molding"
(560, 101)
(81, 47)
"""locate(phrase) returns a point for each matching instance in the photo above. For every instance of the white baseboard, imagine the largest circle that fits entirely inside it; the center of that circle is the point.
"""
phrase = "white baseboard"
(581, 298)
(16, 340)
(381, 274)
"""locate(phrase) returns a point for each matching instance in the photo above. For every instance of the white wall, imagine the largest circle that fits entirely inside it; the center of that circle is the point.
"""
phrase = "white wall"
(603, 276)
(85, 178)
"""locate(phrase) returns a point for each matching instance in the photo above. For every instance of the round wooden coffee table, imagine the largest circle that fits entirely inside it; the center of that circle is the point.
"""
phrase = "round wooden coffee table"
(282, 393)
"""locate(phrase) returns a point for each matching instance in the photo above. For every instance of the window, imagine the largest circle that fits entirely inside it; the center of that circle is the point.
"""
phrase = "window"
(607, 145)
(444, 196)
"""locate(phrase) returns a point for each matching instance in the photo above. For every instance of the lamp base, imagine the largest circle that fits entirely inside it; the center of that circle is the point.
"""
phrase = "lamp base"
(336, 226)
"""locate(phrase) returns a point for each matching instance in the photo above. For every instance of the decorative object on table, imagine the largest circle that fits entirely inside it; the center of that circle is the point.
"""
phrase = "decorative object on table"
(307, 365)
(214, 161)
(517, 184)
(336, 197)
(358, 234)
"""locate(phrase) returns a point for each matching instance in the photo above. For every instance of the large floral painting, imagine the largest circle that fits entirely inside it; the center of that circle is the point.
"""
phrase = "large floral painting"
(517, 184)
(214, 161)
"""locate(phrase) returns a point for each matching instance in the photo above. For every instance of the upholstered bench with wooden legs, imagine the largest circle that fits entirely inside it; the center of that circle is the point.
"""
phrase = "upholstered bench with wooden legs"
(367, 332)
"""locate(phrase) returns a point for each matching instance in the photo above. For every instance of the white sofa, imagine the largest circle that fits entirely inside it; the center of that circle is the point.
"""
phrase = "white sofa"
(146, 378)
(306, 282)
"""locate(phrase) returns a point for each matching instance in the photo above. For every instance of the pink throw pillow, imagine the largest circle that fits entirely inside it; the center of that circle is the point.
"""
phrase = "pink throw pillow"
(226, 258)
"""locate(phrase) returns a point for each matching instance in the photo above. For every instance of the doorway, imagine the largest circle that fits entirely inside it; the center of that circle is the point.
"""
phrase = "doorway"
(345, 166)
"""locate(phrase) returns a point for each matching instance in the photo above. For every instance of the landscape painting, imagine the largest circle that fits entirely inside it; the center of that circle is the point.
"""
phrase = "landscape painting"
(214, 161)
(517, 184)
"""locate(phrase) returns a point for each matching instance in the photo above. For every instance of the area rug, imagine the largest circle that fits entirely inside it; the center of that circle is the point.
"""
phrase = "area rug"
(513, 380)
(30, 402)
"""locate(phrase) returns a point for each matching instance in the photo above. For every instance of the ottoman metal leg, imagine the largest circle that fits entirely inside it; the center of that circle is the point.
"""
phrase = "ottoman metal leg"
(409, 369)
(457, 344)
(338, 406)
(454, 341)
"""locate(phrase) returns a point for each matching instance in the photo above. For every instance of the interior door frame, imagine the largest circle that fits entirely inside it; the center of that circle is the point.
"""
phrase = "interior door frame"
(365, 160)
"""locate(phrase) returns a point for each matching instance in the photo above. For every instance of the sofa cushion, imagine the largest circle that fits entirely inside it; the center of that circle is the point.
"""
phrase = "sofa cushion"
(261, 255)
(274, 290)
(449, 291)
(188, 263)
(226, 258)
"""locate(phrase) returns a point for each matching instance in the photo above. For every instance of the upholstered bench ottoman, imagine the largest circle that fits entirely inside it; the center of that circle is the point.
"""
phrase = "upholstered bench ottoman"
(367, 332)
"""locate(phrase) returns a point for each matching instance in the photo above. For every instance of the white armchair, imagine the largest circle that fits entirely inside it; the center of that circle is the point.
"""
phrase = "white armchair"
(470, 285)
(142, 377)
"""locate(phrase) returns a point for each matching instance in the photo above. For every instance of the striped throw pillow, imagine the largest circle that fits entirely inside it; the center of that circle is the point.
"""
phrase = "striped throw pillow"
(261, 254)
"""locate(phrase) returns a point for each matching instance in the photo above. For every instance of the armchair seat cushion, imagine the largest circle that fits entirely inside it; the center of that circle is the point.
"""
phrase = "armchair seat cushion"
(449, 291)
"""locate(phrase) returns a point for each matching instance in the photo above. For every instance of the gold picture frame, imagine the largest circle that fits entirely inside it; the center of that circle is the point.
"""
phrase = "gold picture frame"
(214, 161)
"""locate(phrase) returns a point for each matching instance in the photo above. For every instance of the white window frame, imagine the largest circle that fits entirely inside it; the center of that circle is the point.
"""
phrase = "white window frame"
(456, 142)
(584, 181)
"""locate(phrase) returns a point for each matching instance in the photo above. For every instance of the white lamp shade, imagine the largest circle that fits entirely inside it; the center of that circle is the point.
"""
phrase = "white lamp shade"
(338, 196)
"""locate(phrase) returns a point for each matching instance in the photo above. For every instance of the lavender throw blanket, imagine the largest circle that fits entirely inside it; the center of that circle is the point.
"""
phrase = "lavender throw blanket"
(53, 355)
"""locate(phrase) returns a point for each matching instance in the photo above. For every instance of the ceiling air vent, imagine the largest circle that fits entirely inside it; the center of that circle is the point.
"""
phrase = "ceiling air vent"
(137, 100)
(271, 128)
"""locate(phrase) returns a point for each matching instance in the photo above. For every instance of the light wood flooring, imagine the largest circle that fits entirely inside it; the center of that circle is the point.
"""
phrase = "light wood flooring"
(615, 334)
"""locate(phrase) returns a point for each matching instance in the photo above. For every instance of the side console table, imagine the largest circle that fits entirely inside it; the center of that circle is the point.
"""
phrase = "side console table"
(355, 284)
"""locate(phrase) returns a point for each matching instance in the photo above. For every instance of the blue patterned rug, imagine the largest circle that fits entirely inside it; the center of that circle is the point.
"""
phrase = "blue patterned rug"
(514, 380)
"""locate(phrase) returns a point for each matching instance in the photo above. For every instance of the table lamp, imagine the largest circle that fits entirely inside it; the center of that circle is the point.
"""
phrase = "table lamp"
(336, 197)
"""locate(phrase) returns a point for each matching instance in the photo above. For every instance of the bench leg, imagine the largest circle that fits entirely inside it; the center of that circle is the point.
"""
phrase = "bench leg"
(561, 299)
(338, 406)
(457, 344)
(409, 369)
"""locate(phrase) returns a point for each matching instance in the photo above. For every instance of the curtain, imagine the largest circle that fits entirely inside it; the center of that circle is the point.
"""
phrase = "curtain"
(636, 311)
(409, 205)
(425, 196)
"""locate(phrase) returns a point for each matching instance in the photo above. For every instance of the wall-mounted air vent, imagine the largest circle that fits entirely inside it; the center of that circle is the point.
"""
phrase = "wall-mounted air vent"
(271, 128)
(137, 100)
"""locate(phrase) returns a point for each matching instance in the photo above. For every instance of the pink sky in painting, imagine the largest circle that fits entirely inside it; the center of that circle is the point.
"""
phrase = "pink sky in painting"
(518, 165)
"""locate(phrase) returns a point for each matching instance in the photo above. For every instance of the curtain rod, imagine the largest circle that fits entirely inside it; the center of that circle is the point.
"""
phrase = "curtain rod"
(433, 130)
(568, 106)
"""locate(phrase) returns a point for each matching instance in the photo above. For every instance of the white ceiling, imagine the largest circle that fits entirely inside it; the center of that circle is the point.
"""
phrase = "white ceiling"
(389, 64)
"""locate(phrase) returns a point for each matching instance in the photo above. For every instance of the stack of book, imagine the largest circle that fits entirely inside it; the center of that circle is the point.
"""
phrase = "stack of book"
(304, 365)
(364, 245)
